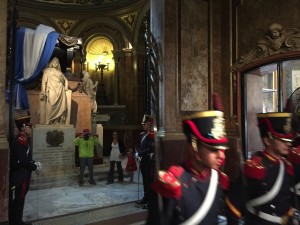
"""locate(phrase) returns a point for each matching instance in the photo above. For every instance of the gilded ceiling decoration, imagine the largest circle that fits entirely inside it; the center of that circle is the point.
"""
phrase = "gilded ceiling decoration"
(129, 19)
(100, 46)
(73, 2)
(77, 2)
(65, 25)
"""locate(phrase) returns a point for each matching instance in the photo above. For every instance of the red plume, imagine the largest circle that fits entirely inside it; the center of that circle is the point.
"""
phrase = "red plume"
(217, 104)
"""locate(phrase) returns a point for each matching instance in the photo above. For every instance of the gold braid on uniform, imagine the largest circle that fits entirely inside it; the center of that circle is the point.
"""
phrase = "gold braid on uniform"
(194, 143)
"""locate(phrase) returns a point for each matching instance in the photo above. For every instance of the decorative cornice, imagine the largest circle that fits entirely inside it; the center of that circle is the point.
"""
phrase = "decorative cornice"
(65, 25)
(129, 19)
(276, 41)
(72, 2)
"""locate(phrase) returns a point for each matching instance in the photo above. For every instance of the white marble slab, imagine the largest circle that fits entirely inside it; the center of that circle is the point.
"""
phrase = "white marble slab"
(46, 203)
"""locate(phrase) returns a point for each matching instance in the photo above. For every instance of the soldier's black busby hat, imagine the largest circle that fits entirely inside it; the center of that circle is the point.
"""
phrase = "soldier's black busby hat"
(208, 127)
(147, 118)
(275, 125)
(23, 121)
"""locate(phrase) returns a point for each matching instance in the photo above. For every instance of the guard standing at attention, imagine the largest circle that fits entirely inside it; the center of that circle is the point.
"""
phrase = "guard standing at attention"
(21, 166)
(145, 153)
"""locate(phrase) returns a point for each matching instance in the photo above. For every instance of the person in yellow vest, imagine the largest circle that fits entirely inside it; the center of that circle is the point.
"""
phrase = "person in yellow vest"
(86, 144)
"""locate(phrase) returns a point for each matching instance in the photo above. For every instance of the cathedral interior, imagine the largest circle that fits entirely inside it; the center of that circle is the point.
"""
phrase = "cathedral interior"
(163, 57)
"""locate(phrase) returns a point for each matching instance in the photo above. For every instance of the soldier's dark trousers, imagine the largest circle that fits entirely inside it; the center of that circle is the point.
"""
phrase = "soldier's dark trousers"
(17, 201)
(145, 170)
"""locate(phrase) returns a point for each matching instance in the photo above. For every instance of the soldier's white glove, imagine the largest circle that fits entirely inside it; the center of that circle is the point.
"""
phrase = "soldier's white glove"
(38, 167)
(136, 155)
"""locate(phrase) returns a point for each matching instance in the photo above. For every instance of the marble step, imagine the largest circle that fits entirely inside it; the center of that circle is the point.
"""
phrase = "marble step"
(41, 182)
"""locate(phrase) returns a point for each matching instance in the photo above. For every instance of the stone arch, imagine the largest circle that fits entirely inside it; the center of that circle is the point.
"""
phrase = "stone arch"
(140, 24)
(102, 26)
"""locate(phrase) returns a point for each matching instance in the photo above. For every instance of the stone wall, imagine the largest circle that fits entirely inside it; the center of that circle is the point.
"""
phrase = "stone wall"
(4, 149)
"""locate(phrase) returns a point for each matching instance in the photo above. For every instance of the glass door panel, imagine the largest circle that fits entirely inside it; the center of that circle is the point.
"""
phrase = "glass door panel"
(261, 95)
(290, 79)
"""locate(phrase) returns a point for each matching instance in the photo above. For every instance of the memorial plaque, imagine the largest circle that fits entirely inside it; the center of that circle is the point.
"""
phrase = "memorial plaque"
(53, 146)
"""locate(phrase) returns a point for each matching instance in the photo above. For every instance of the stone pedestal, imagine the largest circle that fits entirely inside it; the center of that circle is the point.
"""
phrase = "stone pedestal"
(53, 146)
(99, 132)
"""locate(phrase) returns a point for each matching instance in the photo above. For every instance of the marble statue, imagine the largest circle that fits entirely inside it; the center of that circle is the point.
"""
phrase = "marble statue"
(90, 89)
(55, 98)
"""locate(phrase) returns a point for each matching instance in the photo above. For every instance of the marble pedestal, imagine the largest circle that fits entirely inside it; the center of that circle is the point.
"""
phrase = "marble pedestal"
(53, 146)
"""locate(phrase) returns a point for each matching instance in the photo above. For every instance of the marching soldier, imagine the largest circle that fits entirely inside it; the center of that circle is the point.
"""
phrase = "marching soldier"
(269, 175)
(21, 166)
(145, 153)
(193, 191)
(294, 158)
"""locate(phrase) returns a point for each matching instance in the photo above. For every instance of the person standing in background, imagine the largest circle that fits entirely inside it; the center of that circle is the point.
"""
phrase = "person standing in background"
(86, 144)
(117, 152)
(21, 166)
(131, 166)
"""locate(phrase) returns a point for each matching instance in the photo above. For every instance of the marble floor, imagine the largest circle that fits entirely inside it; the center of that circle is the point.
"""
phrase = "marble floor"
(59, 201)
(47, 203)
(74, 205)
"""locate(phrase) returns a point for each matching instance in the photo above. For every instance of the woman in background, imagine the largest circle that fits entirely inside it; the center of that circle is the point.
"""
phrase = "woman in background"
(117, 152)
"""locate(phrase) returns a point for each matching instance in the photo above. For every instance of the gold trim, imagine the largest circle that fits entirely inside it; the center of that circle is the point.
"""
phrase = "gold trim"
(129, 19)
(285, 139)
(23, 117)
(233, 208)
(209, 113)
(219, 147)
(274, 114)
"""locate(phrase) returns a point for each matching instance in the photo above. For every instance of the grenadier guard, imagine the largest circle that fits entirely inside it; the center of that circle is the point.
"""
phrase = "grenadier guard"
(21, 166)
(193, 191)
(145, 153)
(294, 158)
(269, 175)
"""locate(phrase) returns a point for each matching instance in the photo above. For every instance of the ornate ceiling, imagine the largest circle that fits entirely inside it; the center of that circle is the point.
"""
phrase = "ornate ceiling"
(82, 3)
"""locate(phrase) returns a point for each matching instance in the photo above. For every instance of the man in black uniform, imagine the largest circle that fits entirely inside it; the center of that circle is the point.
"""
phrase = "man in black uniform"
(193, 191)
(21, 166)
(269, 175)
(144, 153)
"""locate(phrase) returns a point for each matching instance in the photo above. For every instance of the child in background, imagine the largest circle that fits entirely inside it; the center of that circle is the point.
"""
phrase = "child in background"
(131, 164)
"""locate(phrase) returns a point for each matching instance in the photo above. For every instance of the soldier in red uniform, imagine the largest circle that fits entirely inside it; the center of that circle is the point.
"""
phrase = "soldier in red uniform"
(21, 166)
(145, 155)
(294, 158)
(269, 175)
(193, 191)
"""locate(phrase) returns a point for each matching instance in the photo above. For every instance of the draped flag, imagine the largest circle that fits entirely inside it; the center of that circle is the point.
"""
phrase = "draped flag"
(33, 51)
